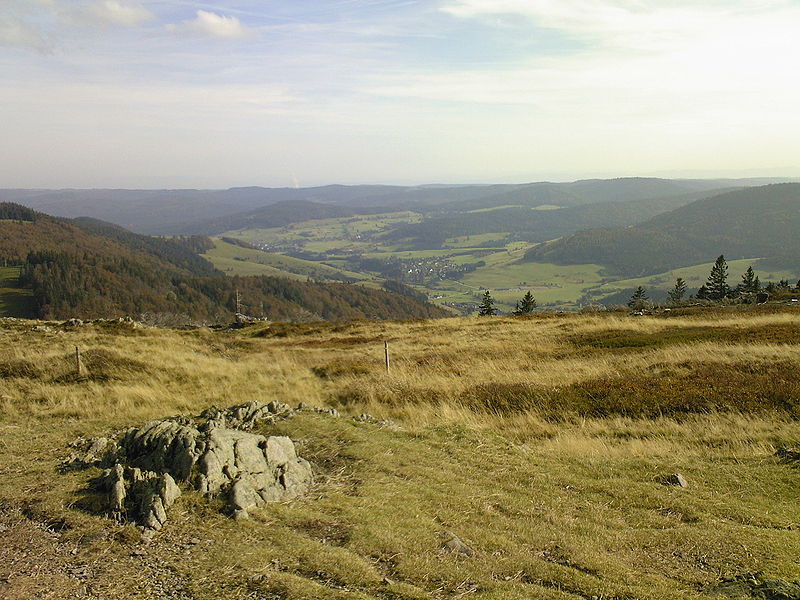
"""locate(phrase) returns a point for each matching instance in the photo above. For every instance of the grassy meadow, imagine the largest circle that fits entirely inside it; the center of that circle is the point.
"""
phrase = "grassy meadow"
(236, 260)
(541, 442)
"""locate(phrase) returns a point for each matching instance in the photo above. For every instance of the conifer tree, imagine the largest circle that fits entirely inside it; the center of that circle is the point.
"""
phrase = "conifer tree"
(526, 305)
(750, 282)
(639, 299)
(486, 307)
(677, 293)
(717, 286)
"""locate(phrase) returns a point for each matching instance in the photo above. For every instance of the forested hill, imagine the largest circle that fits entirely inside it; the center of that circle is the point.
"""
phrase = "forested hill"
(758, 222)
(274, 215)
(520, 222)
(167, 212)
(86, 268)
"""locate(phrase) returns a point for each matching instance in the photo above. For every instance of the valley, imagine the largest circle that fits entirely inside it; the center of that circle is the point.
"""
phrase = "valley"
(572, 245)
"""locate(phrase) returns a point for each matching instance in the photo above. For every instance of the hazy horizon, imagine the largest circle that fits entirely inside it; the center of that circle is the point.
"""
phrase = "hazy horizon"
(169, 94)
(787, 179)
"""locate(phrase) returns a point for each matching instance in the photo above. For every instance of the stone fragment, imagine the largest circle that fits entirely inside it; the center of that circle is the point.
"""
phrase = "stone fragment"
(676, 479)
(452, 543)
(117, 493)
(278, 408)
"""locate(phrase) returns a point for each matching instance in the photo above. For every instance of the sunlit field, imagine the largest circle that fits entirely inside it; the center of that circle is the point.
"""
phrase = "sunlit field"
(542, 442)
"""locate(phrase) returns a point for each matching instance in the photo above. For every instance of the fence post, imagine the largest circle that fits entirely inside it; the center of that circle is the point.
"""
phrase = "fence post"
(386, 355)
(78, 364)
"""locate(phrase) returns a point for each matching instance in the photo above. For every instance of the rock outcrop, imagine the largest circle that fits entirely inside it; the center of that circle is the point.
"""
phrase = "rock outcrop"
(215, 453)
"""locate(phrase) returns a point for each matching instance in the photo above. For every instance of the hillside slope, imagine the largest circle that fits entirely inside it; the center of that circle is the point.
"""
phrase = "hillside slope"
(545, 444)
(274, 215)
(761, 221)
(529, 225)
(89, 269)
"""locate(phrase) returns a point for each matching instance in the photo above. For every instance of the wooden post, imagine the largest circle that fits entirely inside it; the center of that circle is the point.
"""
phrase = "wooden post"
(78, 364)
(386, 354)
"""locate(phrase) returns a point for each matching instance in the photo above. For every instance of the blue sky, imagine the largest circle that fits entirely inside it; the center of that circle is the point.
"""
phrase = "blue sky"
(124, 93)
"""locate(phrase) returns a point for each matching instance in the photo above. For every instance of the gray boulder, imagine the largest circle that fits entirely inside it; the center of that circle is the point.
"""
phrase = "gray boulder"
(211, 455)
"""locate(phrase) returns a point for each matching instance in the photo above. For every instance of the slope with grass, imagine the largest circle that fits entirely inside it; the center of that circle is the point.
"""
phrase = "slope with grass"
(659, 284)
(237, 259)
(541, 442)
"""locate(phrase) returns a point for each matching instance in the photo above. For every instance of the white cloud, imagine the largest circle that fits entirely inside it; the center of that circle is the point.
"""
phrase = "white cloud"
(114, 12)
(644, 25)
(638, 54)
(23, 24)
(209, 24)
(17, 33)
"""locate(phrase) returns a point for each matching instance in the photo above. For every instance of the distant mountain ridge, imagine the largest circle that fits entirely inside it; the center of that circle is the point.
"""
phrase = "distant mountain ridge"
(166, 212)
(753, 222)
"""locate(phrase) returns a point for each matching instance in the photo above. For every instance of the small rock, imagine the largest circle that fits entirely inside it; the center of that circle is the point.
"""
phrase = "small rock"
(241, 515)
(676, 479)
(452, 543)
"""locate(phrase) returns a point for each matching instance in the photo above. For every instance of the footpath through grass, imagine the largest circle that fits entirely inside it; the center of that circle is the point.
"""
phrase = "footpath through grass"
(566, 504)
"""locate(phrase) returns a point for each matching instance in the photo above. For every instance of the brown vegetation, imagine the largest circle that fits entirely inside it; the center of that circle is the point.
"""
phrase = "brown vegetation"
(538, 443)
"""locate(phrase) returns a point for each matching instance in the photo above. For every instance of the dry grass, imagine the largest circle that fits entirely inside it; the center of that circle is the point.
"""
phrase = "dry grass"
(539, 441)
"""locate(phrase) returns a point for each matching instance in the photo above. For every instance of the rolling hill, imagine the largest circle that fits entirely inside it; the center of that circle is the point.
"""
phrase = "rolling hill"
(86, 268)
(275, 215)
(762, 222)
(525, 223)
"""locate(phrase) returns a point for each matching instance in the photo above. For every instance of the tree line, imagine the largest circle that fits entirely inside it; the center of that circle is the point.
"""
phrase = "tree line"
(717, 289)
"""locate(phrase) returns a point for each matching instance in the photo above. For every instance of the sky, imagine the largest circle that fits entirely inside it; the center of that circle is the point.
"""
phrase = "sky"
(185, 94)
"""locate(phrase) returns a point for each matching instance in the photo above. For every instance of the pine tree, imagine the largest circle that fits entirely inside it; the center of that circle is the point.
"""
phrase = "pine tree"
(486, 307)
(677, 293)
(526, 305)
(639, 299)
(750, 283)
(717, 285)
